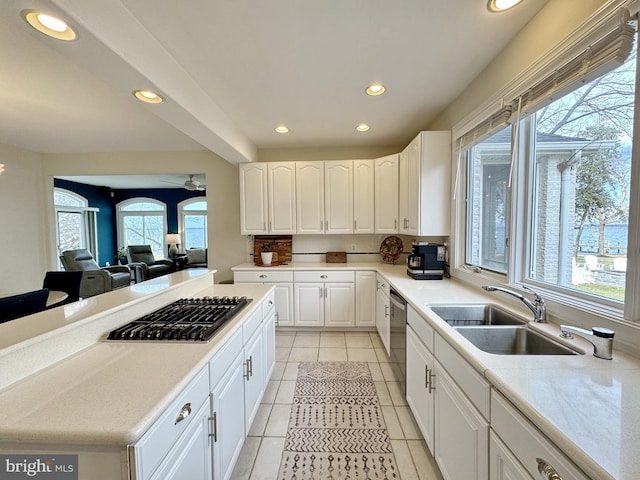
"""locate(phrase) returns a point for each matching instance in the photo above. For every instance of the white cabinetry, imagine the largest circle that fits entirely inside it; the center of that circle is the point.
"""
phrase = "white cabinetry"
(253, 198)
(310, 197)
(363, 196)
(267, 198)
(503, 465)
(383, 312)
(366, 287)
(420, 374)
(386, 194)
(283, 282)
(528, 448)
(180, 436)
(338, 195)
(425, 177)
(324, 298)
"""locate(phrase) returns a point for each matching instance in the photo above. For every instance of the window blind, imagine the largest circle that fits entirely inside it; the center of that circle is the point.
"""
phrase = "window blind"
(485, 129)
(607, 53)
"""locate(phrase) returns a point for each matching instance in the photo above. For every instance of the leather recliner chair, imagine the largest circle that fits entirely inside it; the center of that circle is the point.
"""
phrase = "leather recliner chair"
(95, 279)
(142, 256)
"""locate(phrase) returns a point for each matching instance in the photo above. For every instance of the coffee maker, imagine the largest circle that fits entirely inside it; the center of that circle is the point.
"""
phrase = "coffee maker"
(427, 261)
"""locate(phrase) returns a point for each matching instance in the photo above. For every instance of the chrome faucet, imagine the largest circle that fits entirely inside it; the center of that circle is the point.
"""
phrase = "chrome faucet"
(601, 338)
(537, 306)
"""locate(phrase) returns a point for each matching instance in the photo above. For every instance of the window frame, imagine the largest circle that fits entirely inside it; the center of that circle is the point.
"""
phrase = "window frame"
(576, 308)
(182, 212)
(120, 215)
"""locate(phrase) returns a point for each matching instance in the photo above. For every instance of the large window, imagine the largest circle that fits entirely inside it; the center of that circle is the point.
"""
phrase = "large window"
(488, 166)
(75, 222)
(580, 165)
(143, 221)
(193, 222)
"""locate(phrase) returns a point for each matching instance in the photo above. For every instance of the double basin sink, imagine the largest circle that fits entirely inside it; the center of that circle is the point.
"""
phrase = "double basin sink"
(495, 330)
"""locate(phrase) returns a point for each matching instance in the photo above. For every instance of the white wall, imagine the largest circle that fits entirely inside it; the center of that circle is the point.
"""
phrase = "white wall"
(24, 230)
(226, 245)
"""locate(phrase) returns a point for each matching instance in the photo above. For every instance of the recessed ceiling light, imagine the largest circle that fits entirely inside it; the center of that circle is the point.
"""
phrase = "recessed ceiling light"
(49, 25)
(147, 96)
(363, 127)
(281, 129)
(501, 5)
(375, 89)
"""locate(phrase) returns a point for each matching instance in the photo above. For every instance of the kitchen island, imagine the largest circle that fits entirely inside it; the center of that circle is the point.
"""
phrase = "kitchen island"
(99, 398)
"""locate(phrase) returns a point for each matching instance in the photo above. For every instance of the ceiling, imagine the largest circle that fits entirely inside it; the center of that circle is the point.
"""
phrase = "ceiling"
(232, 70)
(136, 181)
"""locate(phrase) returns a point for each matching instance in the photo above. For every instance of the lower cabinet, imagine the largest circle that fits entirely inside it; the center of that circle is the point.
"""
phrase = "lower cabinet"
(503, 465)
(366, 298)
(324, 298)
(282, 280)
(420, 392)
(383, 313)
(462, 434)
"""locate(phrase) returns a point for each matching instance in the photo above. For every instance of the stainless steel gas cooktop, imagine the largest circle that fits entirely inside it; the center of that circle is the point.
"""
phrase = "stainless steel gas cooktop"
(185, 320)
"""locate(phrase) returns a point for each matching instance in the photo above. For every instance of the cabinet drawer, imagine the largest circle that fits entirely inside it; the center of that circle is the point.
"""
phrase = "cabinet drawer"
(527, 443)
(263, 276)
(470, 382)
(325, 276)
(149, 451)
(251, 324)
(421, 327)
(223, 359)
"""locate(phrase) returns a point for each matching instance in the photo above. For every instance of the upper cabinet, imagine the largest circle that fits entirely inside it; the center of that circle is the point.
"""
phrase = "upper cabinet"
(338, 196)
(425, 178)
(386, 194)
(268, 198)
(253, 198)
(363, 196)
(310, 197)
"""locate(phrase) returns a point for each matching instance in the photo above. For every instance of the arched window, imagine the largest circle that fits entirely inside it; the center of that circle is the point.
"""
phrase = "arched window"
(75, 222)
(193, 222)
(142, 221)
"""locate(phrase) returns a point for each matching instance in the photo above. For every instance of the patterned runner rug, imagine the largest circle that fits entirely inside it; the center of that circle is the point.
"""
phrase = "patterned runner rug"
(336, 429)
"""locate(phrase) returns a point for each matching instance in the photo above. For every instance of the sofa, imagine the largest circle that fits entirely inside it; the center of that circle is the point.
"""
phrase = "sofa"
(195, 258)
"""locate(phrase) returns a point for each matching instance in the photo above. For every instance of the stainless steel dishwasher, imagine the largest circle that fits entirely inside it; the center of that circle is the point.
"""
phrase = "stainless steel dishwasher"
(398, 342)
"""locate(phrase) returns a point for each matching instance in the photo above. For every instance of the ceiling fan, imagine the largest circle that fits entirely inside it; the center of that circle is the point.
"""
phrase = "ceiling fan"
(192, 184)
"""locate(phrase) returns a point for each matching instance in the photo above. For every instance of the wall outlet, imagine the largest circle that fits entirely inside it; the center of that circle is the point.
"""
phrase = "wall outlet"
(353, 247)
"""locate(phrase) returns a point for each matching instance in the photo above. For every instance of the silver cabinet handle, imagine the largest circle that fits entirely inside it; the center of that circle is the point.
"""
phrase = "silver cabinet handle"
(269, 225)
(547, 472)
(321, 225)
(325, 292)
(355, 225)
(395, 223)
(386, 311)
(264, 226)
(323, 276)
(426, 376)
(184, 412)
(246, 374)
(214, 427)
(270, 302)
(251, 365)
(326, 225)
(432, 387)
(262, 276)
(277, 319)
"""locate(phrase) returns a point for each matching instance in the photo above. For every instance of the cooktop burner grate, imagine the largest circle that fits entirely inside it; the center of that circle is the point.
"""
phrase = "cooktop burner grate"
(187, 319)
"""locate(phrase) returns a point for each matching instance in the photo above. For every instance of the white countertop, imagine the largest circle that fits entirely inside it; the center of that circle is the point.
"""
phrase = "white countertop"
(588, 406)
(110, 393)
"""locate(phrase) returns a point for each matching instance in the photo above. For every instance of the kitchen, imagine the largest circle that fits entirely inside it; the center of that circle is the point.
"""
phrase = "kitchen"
(36, 169)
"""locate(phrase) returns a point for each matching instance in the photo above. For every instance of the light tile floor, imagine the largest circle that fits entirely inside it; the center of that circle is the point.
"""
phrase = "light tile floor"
(260, 456)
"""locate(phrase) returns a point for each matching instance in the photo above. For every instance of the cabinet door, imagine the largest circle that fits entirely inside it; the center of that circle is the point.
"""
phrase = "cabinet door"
(413, 187)
(190, 457)
(310, 197)
(338, 196)
(503, 465)
(419, 396)
(282, 198)
(253, 376)
(228, 413)
(383, 325)
(386, 194)
(309, 304)
(284, 304)
(461, 432)
(403, 192)
(268, 347)
(339, 305)
(434, 201)
(363, 196)
(253, 198)
(366, 299)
